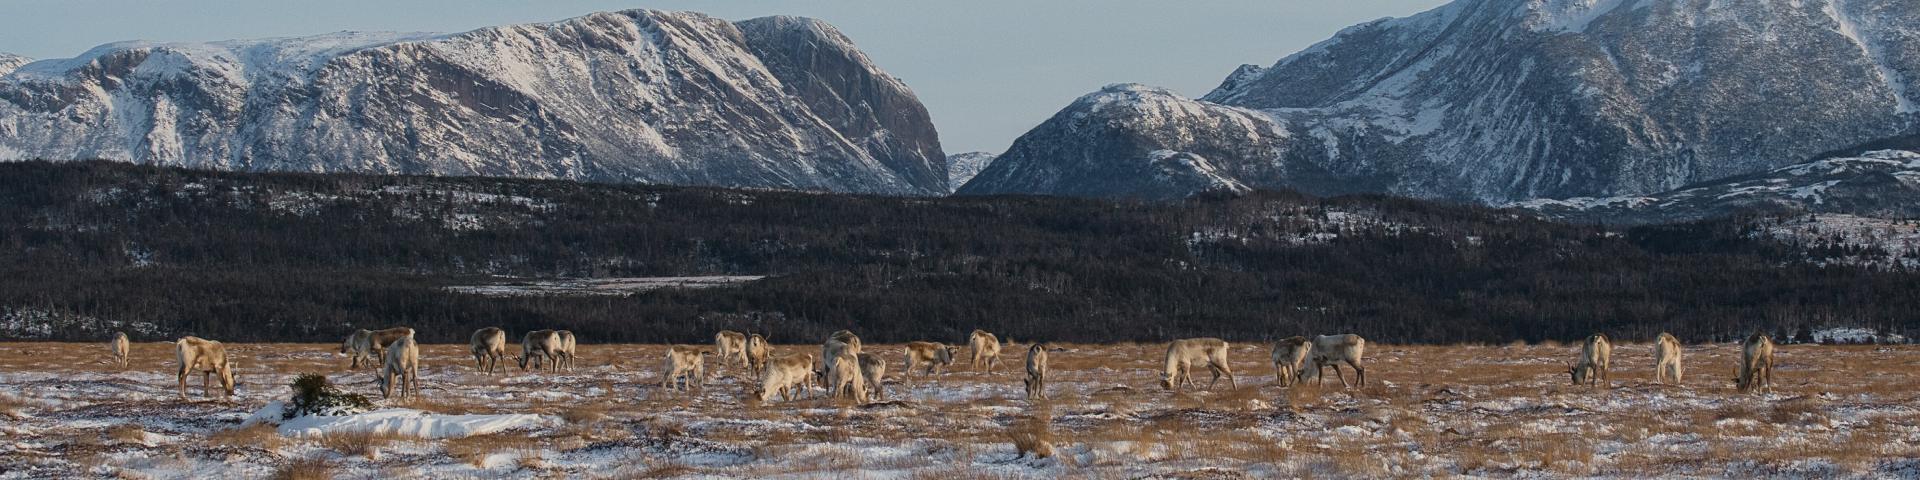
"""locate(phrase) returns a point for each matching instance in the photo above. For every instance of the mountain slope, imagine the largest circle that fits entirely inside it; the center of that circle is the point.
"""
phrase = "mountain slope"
(9, 61)
(962, 167)
(1498, 100)
(640, 96)
(1883, 183)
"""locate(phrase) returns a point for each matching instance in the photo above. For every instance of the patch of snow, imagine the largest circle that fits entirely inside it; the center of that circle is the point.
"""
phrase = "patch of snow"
(1571, 16)
(1849, 27)
(601, 286)
(410, 423)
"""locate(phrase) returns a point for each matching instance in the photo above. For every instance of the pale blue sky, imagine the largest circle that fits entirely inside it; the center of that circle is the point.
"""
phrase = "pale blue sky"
(987, 69)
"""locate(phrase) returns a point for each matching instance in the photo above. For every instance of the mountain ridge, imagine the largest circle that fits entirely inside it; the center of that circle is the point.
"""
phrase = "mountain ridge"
(1492, 102)
(641, 96)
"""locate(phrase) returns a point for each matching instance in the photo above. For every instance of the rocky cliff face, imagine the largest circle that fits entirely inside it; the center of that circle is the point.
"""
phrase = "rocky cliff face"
(1502, 100)
(634, 96)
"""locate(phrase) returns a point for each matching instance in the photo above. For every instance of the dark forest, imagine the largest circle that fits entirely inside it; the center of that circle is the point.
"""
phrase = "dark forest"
(91, 247)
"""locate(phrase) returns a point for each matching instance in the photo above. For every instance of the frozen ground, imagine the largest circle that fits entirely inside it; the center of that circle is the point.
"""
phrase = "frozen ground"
(1477, 411)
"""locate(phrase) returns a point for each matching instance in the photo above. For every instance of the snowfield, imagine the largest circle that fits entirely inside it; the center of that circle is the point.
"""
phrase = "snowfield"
(1474, 411)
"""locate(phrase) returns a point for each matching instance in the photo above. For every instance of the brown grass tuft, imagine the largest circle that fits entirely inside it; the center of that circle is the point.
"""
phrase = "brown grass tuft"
(475, 449)
(257, 435)
(1032, 436)
(311, 468)
(127, 433)
(358, 443)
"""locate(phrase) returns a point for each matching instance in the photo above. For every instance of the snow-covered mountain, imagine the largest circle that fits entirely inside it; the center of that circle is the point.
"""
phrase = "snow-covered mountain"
(9, 61)
(639, 96)
(1503, 100)
(961, 167)
(1883, 183)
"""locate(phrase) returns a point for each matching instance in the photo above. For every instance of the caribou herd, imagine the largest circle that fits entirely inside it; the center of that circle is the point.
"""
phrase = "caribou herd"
(843, 370)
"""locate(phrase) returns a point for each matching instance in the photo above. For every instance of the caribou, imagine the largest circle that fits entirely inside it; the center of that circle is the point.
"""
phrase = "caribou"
(1333, 350)
(985, 348)
(1289, 357)
(1183, 353)
(873, 370)
(401, 367)
(1596, 355)
(685, 365)
(757, 352)
(489, 345)
(932, 355)
(844, 378)
(365, 346)
(730, 345)
(788, 376)
(842, 342)
(1666, 358)
(1756, 364)
(567, 348)
(1037, 371)
(119, 348)
(208, 357)
(539, 345)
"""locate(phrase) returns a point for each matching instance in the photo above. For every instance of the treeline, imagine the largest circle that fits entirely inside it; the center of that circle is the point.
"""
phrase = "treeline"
(94, 246)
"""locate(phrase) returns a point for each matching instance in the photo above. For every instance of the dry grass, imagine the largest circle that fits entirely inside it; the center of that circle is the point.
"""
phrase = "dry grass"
(360, 443)
(127, 433)
(305, 469)
(258, 435)
(1491, 410)
(475, 450)
(1031, 437)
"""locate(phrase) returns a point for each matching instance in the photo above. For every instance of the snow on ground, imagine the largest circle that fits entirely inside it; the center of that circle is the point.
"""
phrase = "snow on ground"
(1474, 411)
(397, 421)
(600, 286)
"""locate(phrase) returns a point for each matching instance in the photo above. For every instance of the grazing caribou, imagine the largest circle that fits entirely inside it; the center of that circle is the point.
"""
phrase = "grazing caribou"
(873, 370)
(1756, 364)
(537, 346)
(401, 367)
(208, 357)
(932, 355)
(1183, 353)
(1596, 356)
(1289, 357)
(489, 345)
(1333, 350)
(686, 366)
(788, 376)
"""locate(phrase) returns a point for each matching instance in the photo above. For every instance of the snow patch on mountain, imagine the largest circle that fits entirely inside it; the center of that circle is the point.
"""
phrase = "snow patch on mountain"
(962, 167)
(9, 62)
(1885, 183)
(1850, 27)
(1840, 239)
(1189, 169)
(1570, 15)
